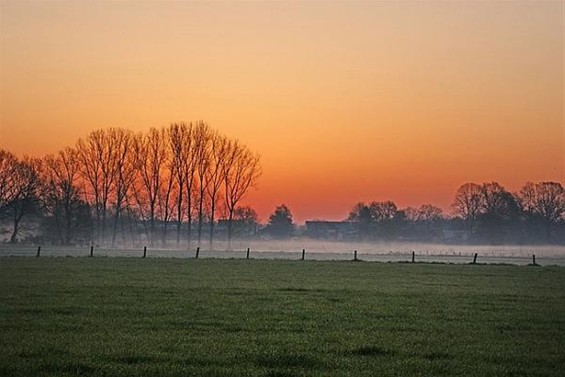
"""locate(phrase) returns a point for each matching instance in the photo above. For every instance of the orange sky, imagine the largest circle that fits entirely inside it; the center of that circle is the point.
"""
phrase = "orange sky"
(345, 101)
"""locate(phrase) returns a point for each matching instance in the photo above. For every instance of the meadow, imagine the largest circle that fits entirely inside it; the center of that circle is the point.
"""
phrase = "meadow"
(69, 316)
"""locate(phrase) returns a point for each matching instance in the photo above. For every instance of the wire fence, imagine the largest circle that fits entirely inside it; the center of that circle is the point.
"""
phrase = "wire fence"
(465, 255)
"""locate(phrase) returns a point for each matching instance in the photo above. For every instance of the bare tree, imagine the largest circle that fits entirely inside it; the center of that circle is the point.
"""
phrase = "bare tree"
(412, 214)
(182, 164)
(468, 203)
(151, 155)
(428, 212)
(60, 194)
(26, 185)
(8, 190)
(493, 198)
(190, 174)
(241, 170)
(201, 140)
(499, 219)
(383, 211)
(97, 154)
(123, 144)
(168, 194)
(169, 174)
(545, 200)
(214, 175)
(384, 215)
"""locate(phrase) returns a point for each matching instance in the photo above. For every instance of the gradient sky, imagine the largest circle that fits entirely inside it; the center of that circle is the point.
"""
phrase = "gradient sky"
(345, 101)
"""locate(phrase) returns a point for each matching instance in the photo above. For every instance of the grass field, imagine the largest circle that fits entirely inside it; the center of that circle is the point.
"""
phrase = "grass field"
(171, 317)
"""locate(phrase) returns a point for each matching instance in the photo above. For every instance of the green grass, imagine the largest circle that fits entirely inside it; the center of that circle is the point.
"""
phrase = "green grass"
(172, 317)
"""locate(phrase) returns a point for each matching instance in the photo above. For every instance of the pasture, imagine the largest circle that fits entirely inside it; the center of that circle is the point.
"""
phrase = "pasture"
(100, 316)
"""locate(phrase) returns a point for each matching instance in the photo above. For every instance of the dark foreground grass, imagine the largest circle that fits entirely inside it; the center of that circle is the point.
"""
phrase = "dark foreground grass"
(167, 317)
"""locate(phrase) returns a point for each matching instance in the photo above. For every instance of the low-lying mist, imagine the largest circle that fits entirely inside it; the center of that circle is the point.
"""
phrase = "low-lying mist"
(317, 246)
(313, 250)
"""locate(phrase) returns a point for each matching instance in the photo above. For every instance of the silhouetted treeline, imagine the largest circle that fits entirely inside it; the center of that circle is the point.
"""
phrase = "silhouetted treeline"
(117, 186)
(482, 213)
(185, 183)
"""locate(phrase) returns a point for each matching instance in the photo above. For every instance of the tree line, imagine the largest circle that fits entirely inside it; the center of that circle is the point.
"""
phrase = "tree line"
(174, 183)
(115, 184)
(481, 213)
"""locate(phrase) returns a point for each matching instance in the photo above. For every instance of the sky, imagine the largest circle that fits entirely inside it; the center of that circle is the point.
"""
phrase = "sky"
(345, 101)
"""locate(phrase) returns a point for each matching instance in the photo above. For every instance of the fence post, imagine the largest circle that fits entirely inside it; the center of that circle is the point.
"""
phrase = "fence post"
(38, 250)
(247, 256)
(144, 251)
(303, 253)
(91, 251)
(355, 255)
(413, 257)
(197, 252)
(475, 259)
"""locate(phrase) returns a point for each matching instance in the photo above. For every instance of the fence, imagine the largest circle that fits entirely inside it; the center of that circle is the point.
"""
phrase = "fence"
(521, 257)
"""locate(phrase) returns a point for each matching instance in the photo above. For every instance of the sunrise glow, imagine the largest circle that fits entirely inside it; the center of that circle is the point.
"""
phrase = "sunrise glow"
(344, 101)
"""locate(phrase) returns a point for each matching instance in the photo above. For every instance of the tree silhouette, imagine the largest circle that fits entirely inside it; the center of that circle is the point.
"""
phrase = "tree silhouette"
(247, 221)
(182, 166)
(241, 169)
(8, 190)
(467, 204)
(190, 170)
(214, 176)
(429, 215)
(280, 222)
(97, 155)
(66, 215)
(26, 183)
(151, 158)
(202, 135)
(377, 219)
(364, 221)
(123, 142)
(385, 214)
(544, 201)
(499, 215)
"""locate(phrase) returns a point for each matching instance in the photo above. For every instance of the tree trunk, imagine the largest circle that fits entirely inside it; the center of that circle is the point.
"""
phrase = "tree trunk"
(151, 233)
(164, 237)
(179, 214)
(103, 236)
(115, 227)
(179, 224)
(212, 208)
(230, 223)
(14, 237)
(68, 224)
(189, 219)
(200, 216)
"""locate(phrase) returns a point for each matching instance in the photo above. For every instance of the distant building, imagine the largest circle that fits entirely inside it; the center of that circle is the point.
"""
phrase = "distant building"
(331, 230)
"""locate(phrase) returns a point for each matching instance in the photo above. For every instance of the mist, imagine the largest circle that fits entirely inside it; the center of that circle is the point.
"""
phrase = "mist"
(319, 250)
